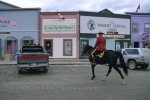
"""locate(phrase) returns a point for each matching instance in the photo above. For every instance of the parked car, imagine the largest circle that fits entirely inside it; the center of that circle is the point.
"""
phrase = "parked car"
(135, 57)
(32, 57)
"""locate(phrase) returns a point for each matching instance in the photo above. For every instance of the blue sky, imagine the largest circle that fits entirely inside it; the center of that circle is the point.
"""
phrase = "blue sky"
(116, 6)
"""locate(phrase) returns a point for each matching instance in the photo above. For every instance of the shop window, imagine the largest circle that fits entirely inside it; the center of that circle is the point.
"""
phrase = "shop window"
(67, 47)
(27, 40)
(135, 27)
(118, 46)
(125, 44)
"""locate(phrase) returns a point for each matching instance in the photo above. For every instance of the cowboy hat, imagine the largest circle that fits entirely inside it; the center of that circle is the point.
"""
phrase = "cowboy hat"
(100, 33)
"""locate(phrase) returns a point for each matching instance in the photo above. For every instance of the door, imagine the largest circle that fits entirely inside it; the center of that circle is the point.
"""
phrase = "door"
(83, 42)
(48, 45)
(136, 44)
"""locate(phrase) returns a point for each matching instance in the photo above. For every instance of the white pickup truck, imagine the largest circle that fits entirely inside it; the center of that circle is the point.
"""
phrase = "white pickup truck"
(135, 57)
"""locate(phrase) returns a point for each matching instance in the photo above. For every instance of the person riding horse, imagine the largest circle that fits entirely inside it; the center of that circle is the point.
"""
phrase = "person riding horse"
(100, 47)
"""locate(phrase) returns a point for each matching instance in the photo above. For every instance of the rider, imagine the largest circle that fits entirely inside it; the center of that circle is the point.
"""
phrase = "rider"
(100, 46)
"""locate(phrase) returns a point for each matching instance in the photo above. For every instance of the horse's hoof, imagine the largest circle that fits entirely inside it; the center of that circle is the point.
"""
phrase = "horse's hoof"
(123, 82)
(104, 79)
(92, 78)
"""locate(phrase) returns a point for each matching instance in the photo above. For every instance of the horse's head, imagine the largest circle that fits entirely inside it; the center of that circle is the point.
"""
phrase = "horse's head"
(87, 49)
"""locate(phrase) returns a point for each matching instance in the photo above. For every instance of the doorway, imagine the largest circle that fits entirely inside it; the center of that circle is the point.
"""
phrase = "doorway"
(82, 43)
(136, 44)
(48, 45)
(11, 45)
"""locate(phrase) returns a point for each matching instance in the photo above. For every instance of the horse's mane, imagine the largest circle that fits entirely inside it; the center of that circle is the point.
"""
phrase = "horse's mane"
(90, 47)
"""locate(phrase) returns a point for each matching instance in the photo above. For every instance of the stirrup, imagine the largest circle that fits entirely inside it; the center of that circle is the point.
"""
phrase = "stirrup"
(93, 63)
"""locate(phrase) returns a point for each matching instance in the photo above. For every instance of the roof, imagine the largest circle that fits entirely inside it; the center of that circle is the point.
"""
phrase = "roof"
(135, 13)
(65, 12)
(19, 9)
(104, 13)
(5, 3)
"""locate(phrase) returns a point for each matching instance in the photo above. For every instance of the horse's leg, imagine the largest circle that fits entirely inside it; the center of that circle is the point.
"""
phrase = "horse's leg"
(109, 70)
(118, 70)
(93, 72)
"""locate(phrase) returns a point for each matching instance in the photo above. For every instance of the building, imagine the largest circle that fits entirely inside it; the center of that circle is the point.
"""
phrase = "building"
(18, 27)
(140, 29)
(116, 28)
(59, 34)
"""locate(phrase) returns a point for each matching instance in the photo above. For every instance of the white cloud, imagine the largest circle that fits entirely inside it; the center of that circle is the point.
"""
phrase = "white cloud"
(116, 6)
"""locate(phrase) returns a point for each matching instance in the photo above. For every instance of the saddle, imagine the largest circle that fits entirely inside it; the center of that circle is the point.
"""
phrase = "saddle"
(100, 55)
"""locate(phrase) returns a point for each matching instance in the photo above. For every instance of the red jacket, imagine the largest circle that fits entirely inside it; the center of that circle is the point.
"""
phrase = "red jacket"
(100, 44)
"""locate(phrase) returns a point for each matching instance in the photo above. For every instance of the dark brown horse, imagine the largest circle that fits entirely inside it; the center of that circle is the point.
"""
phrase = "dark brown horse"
(110, 57)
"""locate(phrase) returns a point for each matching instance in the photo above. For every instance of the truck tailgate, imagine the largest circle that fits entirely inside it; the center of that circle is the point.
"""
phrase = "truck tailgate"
(32, 57)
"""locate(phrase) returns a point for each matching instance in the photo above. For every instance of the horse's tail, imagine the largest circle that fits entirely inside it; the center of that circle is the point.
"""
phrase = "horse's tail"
(125, 68)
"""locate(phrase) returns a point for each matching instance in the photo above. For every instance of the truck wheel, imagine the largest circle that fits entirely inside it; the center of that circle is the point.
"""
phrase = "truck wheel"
(132, 64)
(45, 70)
(144, 66)
(20, 72)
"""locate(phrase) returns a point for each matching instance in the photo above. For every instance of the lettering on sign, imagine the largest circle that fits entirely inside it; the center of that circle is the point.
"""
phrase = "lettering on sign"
(4, 32)
(5, 21)
(114, 36)
(59, 28)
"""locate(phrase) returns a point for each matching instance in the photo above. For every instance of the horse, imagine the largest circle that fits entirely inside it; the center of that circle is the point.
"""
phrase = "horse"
(110, 58)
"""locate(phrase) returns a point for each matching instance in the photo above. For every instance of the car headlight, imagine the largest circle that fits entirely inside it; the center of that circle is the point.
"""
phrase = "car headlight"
(142, 57)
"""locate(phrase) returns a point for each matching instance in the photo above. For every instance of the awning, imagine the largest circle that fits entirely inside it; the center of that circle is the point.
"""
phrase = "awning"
(27, 38)
(11, 38)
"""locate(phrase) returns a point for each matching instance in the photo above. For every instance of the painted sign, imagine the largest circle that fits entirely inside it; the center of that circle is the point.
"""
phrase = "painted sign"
(57, 26)
(5, 21)
(89, 24)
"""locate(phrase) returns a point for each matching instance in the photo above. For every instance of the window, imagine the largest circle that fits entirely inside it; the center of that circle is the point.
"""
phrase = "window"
(135, 27)
(67, 47)
(124, 53)
(147, 27)
(132, 51)
(117, 45)
(125, 44)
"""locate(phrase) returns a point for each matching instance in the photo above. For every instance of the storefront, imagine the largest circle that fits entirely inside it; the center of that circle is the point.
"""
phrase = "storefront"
(116, 29)
(140, 29)
(60, 34)
(18, 27)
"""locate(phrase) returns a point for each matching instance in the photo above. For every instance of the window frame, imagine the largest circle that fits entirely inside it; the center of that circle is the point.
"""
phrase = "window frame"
(145, 29)
(70, 47)
(136, 29)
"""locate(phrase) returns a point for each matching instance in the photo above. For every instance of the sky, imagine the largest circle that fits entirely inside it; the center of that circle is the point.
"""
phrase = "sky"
(116, 6)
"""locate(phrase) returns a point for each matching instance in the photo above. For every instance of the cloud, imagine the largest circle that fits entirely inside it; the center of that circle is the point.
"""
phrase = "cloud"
(116, 6)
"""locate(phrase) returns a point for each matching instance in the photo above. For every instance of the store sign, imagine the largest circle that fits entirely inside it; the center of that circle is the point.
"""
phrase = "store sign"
(114, 36)
(4, 32)
(89, 24)
(59, 28)
(56, 26)
(5, 21)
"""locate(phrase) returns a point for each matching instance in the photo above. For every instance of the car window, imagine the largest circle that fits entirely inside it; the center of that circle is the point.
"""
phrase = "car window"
(132, 51)
(124, 53)
(28, 49)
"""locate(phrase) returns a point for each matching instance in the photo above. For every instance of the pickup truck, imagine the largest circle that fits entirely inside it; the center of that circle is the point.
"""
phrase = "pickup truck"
(32, 57)
(135, 57)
